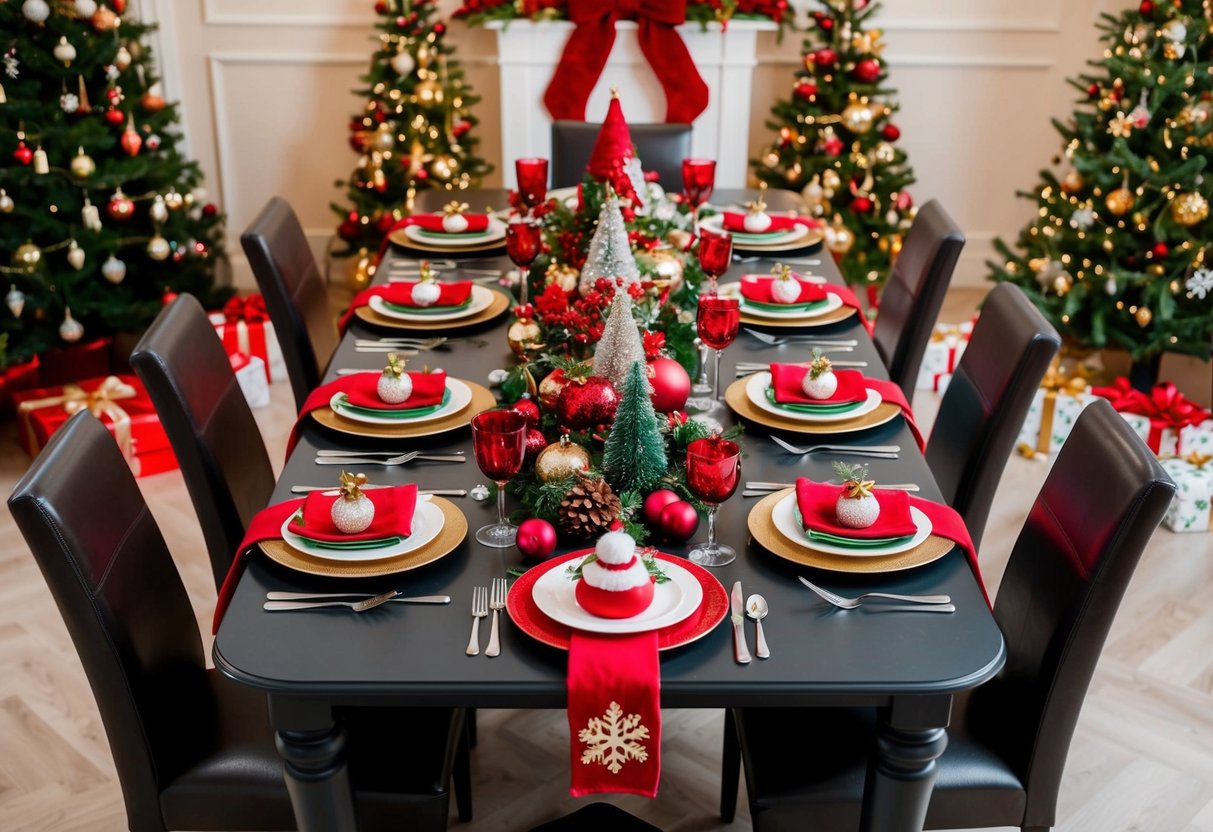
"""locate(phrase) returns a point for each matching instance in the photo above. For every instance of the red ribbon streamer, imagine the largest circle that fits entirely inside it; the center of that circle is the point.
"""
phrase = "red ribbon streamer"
(1164, 406)
(588, 47)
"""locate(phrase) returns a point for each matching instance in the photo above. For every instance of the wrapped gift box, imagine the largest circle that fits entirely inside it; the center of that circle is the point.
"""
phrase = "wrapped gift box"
(1167, 414)
(245, 328)
(1196, 439)
(1050, 419)
(122, 405)
(250, 373)
(1193, 475)
(947, 344)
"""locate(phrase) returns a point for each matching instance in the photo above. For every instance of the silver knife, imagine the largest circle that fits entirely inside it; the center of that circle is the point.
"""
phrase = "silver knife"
(740, 649)
(318, 596)
(284, 606)
(913, 608)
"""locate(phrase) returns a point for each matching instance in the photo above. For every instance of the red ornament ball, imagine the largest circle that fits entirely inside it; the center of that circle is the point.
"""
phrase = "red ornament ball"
(114, 116)
(825, 58)
(1160, 250)
(861, 205)
(891, 132)
(654, 504)
(671, 384)
(23, 154)
(381, 7)
(348, 230)
(586, 403)
(832, 146)
(679, 521)
(1093, 90)
(806, 90)
(210, 209)
(1146, 8)
(527, 407)
(439, 28)
(867, 70)
(536, 538)
(168, 297)
(535, 442)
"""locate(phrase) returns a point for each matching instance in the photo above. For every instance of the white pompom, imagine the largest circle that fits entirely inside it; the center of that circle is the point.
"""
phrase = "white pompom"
(615, 547)
(757, 222)
(426, 293)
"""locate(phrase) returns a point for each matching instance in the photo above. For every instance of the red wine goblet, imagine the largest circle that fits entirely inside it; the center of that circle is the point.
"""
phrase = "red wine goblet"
(698, 179)
(523, 239)
(717, 322)
(715, 255)
(713, 471)
(499, 444)
(532, 176)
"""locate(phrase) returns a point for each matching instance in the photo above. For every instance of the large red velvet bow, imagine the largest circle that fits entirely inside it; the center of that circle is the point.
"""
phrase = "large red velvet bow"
(1165, 407)
(588, 47)
(250, 309)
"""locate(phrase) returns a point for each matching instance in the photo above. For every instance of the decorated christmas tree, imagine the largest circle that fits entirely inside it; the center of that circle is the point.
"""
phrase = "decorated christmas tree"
(101, 216)
(837, 144)
(415, 130)
(1117, 253)
(634, 456)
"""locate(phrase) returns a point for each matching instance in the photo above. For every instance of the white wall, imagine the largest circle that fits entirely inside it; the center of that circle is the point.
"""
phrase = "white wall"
(266, 92)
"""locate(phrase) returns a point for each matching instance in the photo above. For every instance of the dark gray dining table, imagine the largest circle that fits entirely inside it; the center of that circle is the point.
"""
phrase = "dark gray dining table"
(908, 664)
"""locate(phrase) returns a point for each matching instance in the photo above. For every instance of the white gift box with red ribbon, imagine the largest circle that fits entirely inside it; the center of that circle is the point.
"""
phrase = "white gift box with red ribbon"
(245, 328)
(947, 345)
(251, 375)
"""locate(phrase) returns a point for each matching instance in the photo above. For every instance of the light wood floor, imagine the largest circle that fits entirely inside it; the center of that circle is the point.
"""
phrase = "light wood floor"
(1142, 757)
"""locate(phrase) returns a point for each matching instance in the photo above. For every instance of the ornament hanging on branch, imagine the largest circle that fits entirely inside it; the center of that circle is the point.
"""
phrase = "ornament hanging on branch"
(75, 255)
(70, 330)
(15, 301)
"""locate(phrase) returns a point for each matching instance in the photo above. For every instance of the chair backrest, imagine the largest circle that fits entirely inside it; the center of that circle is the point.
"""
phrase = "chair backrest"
(111, 575)
(910, 301)
(209, 424)
(295, 295)
(987, 400)
(661, 148)
(1063, 584)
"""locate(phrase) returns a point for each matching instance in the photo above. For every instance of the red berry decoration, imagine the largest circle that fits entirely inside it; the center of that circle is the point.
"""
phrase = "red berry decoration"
(861, 205)
(536, 538)
(535, 442)
(825, 58)
(654, 504)
(527, 407)
(866, 71)
(891, 132)
(679, 521)
(1160, 250)
(585, 403)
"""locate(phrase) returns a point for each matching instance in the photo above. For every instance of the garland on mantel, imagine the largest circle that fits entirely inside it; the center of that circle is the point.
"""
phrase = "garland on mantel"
(703, 12)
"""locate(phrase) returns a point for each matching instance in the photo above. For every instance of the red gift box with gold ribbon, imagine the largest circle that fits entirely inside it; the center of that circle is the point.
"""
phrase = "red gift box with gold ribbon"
(122, 405)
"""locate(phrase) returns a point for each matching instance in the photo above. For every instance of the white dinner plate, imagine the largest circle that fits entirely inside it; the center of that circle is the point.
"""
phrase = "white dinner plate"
(733, 290)
(461, 396)
(783, 515)
(427, 523)
(673, 601)
(715, 223)
(492, 233)
(481, 298)
(756, 391)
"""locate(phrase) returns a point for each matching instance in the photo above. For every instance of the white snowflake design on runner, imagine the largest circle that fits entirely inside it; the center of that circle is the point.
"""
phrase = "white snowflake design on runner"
(614, 739)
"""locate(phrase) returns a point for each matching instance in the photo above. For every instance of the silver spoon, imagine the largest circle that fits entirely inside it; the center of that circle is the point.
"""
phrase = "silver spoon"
(756, 608)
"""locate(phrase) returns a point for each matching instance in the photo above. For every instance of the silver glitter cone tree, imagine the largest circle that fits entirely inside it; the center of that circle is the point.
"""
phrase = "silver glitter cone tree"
(620, 345)
(610, 253)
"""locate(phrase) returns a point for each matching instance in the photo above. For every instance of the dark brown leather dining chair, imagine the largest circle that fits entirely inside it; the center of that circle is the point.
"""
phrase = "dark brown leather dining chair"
(661, 148)
(193, 749)
(209, 424)
(295, 294)
(914, 292)
(987, 401)
(1008, 739)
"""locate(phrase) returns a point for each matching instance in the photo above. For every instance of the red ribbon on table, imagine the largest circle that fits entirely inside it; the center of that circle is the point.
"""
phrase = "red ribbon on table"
(249, 310)
(265, 525)
(588, 47)
(1164, 406)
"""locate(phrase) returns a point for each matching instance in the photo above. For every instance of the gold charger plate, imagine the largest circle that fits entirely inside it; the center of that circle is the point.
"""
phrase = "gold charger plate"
(398, 237)
(813, 238)
(735, 397)
(454, 530)
(482, 399)
(499, 304)
(763, 530)
(839, 314)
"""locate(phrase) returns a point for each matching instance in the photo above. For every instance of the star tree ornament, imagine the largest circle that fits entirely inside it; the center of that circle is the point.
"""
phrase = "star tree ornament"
(610, 253)
(620, 345)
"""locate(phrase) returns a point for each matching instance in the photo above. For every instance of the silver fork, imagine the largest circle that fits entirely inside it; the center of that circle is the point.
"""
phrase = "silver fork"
(776, 340)
(881, 451)
(496, 604)
(323, 452)
(356, 606)
(749, 371)
(402, 459)
(759, 485)
(852, 603)
(411, 343)
(480, 609)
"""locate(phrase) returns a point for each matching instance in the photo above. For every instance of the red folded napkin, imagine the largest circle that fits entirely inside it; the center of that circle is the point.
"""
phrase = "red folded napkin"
(947, 522)
(735, 221)
(362, 390)
(433, 222)
(394, 509)
(817, 501)
(757, 287)
(786, 380)
(890, 393)
(614, 708)
(400, 294)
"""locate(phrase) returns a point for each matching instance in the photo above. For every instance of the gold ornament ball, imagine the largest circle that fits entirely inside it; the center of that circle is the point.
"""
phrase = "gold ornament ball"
(1073, 182)
(1143, 316)
(27, 256)
(858, 118)
(1062, 283)
(830, 180)
(359, 274)
(429, 92)
(1139, 218)
(1156, 269)
(174, 200)
(563, 276)
(667, 268)
(522, 335)
(383, 140)
(561, 459)
(1188, 209)
(82, 165)
(1172, 51)
(1120, 201)
(839, 238)
(885, 153)
(158, 248)
(444, 167)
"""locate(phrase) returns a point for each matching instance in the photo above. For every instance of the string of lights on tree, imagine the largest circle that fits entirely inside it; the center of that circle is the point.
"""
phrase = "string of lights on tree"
(101, 215)
(1118, 254)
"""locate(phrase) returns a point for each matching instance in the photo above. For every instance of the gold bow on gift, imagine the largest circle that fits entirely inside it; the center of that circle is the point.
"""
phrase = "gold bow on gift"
(943, 332)
(1197, 459)
(454, 207)
(1056, 381)
(101, 402)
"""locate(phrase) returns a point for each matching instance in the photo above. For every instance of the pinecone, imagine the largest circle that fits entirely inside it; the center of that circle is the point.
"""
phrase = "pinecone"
(589, 508)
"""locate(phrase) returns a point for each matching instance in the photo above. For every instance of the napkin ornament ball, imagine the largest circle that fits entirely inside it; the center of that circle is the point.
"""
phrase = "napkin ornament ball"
(615, 583)
(353, 511)
(426, 291)
(785, 288)
(819, 382)
(857, 506)
(394, 385)
(757, 220)
(453, 220)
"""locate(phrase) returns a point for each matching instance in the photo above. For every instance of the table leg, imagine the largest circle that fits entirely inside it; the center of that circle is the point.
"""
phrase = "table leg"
(312, 747)
(909, 739)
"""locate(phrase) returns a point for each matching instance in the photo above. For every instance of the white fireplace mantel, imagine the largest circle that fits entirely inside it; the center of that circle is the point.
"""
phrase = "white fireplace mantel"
(527, 54)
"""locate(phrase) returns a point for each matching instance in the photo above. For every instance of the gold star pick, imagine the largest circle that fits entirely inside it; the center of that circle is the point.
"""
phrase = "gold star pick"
(454, 207)
(351, 485)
